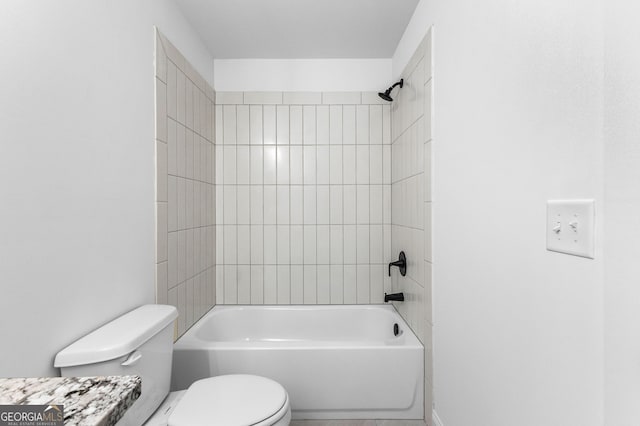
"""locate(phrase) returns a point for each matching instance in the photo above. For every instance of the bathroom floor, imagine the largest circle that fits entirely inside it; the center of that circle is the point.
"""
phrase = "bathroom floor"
(357, 423)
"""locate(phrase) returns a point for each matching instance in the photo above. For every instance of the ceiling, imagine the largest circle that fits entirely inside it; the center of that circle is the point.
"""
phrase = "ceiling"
(296, 29)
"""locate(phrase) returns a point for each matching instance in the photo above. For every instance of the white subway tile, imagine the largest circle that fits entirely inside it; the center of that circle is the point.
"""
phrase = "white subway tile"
(349, 164)
(172, 92)
(218, 125)
(376, 204)
(262, 98)
(386, 124)
(257, 284)
(257, 244)
(270, 205)
(386, 236)
(350, 289)
(376, 244)
(230, 204)
(229, 98)
(322, 125)
(363, 281)
(172, 245)
(372, 98)
(284, 284)
(376, 284)
(427, 172)
(244, 284)
(349, 205)
(335, 125)
(310, 284)
(375, 124)
(282, 125)
(296, 204)
(230, 244)
(256, 165)
(282, 210)
(297, 284)
(335, 165)
(362, 203)
(172, 144)
(181, 290)
(161, 171)
(349, 125)
(362, 164)
(283, 244)
(242, 165)
(375, 164)
(161, 110)
(189, 153)
(270, 285)
(350, 244)
(182, 256)
(181, 96)
(386, 164)
(309, 244)
(162, 286)
(229, 164)
(309, 125)
(220, 285)
(270, 245)
(323, 204)
(341, 98)
(229, 123)
(336, 244)
(181, 205)
(244, 244)
(335, 202)
(181, 151)
(188, 118)
(324, 284)
(302, 98)
(296, 165)
(243, 126)
(323, 165)
(282, 165)
(323, 239)
(362, 124)
(310, 210)
(362, 248)
(255, 124)
(270, 176)
(269, 124)
(337, 286)
(309, 165)
(295, 125)
(297, 244)
(257, 204)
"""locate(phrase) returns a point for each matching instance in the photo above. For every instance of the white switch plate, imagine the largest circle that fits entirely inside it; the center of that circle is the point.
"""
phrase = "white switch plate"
(571, 226)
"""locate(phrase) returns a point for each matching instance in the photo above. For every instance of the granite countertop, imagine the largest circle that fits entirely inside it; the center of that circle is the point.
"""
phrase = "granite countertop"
(85, 400)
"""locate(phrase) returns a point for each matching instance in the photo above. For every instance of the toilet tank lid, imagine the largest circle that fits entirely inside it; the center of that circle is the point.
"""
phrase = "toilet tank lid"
(118, 337)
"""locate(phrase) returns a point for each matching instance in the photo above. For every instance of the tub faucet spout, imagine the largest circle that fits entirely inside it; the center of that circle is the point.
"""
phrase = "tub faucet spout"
(397, 297)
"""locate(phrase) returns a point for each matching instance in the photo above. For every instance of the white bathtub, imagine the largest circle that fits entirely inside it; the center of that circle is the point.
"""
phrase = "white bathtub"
(336, 362)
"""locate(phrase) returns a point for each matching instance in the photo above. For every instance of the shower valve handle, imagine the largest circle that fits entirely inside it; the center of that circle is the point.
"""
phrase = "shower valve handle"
(401, 263)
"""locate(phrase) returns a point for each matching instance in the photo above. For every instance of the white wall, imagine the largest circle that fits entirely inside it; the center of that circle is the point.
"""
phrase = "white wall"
(622, 196)
(77, 164)
(293, 75)
(518, 120)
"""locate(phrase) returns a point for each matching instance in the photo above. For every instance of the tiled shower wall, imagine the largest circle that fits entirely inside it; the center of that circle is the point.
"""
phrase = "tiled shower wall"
(185, 189)
(411, 200)
(303, 197)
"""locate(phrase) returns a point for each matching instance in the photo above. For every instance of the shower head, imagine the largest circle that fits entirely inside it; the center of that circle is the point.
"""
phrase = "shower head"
(387, 94)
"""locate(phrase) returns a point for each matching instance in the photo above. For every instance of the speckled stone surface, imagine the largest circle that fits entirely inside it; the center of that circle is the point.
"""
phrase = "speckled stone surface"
(99, 401)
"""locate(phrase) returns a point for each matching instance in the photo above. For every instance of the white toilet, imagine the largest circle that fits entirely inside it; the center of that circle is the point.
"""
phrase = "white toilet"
(141, 343)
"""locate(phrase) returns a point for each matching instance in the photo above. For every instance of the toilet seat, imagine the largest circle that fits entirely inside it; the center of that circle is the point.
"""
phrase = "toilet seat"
(231, 400)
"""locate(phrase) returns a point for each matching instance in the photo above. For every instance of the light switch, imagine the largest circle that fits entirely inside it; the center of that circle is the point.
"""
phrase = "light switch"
(571, 226)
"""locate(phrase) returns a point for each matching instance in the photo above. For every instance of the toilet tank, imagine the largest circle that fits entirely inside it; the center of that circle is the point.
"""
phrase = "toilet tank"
(137, 343)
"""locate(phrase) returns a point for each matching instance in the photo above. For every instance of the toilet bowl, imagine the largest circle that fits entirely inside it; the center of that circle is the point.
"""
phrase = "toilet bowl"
(141, 343)
(233, 400)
